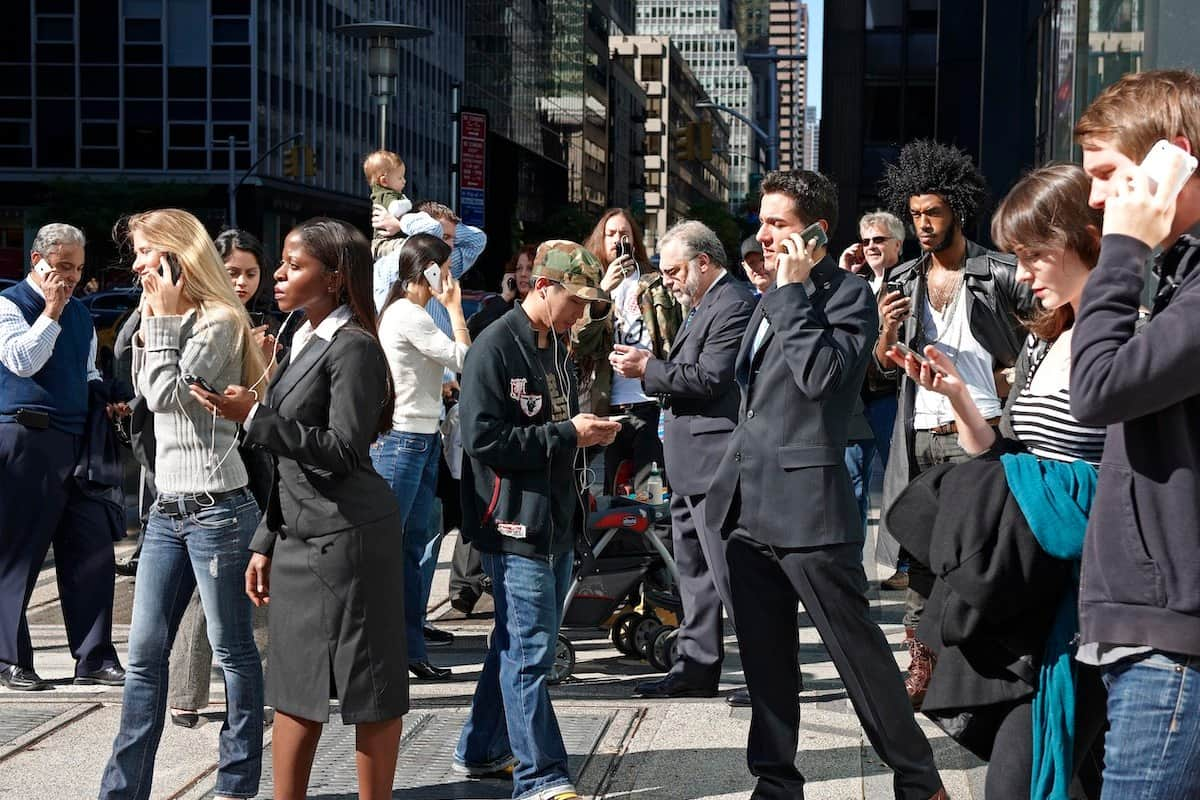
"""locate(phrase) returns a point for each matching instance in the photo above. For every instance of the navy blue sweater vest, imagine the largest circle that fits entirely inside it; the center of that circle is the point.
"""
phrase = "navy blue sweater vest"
(60, 387)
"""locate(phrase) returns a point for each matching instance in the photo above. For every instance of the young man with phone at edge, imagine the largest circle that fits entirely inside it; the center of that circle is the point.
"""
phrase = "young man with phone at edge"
(1139, 614)
(959, 297)
(782, 499)
(47, 372)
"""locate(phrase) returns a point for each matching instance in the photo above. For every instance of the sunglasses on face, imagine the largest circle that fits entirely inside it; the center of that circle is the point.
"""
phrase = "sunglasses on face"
(875, 240)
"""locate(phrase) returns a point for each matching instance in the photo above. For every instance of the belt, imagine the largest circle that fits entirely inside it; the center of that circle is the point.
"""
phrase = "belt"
(184, 505)
(635, 406)
(948, 428)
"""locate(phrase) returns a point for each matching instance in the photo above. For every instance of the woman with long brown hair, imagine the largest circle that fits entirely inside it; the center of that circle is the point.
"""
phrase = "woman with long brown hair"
(327, 557)
(193, 329)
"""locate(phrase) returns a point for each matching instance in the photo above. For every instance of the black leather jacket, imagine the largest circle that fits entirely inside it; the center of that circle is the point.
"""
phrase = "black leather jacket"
(996, 304)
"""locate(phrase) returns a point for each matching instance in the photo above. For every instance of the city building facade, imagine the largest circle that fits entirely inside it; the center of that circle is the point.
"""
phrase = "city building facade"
(102, 95)
(704, 32)
(812, 140)
(673, 185)
(787, 34)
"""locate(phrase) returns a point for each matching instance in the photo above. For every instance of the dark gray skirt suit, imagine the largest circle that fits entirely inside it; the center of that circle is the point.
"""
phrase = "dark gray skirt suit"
(336, 612)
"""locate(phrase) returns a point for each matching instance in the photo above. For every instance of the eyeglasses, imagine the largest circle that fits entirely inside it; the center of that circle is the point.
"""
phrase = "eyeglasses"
(876, 240)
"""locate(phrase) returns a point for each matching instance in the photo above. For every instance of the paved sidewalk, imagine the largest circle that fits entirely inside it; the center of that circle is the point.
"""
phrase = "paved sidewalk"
(53, 745)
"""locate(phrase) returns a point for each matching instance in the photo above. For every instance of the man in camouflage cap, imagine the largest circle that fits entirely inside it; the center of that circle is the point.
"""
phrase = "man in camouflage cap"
(522, 433)
(573, 267)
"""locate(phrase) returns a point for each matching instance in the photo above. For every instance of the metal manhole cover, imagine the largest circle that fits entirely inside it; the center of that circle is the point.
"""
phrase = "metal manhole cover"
(18, 720)
(423, 769)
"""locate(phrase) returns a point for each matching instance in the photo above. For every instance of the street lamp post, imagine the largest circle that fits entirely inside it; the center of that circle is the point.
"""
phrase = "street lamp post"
(383, 59)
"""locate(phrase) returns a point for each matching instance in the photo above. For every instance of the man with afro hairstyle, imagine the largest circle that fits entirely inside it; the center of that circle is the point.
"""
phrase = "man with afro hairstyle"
(967, 303)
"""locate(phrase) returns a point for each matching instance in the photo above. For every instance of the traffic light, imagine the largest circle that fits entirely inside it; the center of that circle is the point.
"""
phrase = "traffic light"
(704, 133)
(684, 140)
(310, 162)
(291, 167)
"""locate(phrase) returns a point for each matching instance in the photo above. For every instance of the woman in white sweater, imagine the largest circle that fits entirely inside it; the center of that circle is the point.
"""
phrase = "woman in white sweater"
(407, 457)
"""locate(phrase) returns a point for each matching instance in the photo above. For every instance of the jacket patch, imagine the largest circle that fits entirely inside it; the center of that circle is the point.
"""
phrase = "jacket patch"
(513, 529)
(530, 404)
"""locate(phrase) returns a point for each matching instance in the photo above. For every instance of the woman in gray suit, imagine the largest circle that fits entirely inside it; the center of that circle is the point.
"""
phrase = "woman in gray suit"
(326, 556)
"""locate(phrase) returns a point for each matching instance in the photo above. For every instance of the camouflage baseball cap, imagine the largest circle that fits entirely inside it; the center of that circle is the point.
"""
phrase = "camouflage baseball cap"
(571, 265)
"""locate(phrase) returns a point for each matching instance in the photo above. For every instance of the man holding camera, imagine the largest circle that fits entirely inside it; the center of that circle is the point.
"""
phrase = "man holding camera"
(47, 361)
(695, 384)
(967, 302)
(783, 500)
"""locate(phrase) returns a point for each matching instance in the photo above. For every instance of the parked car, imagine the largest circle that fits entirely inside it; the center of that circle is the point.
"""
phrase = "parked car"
(109, 310)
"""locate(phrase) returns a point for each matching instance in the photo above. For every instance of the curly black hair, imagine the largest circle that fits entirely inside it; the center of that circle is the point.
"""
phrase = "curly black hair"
(927, 167)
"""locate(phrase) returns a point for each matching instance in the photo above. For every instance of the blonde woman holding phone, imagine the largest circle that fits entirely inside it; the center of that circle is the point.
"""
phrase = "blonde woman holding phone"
(193, 329)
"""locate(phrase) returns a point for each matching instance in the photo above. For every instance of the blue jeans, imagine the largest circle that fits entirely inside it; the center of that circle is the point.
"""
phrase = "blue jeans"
(511, 715)
(409, 463)
(881, 416)
(206, 551)
(1152, 748)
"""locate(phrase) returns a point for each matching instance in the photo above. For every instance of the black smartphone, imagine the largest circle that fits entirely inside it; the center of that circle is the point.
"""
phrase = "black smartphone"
(169, 261)
(510, 282)
(196, 380)
(624, 247)
(258, 318)
(893, 287)
(34, 420)
(815, 232)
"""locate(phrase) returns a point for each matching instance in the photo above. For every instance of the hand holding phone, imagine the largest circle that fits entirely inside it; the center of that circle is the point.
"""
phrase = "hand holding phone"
(433, 274)
(905, 350)
(815, 233)
(195, 380)
(624, 247)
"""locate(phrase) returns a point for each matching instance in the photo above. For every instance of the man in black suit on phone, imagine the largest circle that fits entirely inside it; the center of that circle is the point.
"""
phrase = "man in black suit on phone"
(696, 387)
(782, 498)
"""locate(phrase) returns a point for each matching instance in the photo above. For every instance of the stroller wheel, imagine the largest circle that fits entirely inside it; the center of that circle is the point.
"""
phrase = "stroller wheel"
(643, 636)
(662, 651)
(622, 632)
(564, 661)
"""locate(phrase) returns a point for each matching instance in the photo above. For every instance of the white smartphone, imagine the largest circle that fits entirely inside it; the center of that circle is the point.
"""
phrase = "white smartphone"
(433, 274)
(1157, 165)
(621, 418)
(43, 267)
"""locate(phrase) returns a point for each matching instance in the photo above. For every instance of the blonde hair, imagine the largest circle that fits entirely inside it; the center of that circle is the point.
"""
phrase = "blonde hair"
(1141, 108)
(205, 281)
(380, 163)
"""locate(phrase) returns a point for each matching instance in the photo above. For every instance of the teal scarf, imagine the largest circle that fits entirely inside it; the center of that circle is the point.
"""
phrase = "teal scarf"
(1055, 497)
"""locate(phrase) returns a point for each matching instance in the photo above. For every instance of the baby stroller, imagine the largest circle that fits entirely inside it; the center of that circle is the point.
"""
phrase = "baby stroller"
(623, 562)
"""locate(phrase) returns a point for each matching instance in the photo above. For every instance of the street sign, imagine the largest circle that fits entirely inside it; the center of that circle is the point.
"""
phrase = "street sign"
(472, 167)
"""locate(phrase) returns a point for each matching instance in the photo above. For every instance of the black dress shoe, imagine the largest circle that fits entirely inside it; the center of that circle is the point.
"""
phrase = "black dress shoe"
(111, 675)
(437, 638)
(463, 602)
(738, 698)
(185, 719)
(20, 679)
(126, 568)
(673, 685)
(428, 672)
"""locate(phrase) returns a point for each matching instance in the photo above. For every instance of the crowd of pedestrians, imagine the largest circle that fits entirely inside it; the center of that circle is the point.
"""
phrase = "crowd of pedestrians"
(1035, 408)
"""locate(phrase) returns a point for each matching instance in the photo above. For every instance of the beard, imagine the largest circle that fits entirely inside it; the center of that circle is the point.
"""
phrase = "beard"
(947, 238)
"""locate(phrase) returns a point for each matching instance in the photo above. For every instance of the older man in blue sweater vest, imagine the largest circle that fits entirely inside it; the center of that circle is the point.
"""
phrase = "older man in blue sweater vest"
(47, 358)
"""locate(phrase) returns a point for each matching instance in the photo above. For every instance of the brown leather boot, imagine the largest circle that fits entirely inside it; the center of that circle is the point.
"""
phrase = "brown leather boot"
(920, 668)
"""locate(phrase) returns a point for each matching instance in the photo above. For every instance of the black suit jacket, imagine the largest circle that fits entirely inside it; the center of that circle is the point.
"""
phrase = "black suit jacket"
(697, 385)
(785, 458)
(320, 417)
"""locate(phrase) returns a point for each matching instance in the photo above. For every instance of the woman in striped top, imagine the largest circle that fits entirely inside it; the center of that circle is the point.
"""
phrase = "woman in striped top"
(1047, 223)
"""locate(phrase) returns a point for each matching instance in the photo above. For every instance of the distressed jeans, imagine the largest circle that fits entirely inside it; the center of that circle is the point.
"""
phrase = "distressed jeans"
(209, 551)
